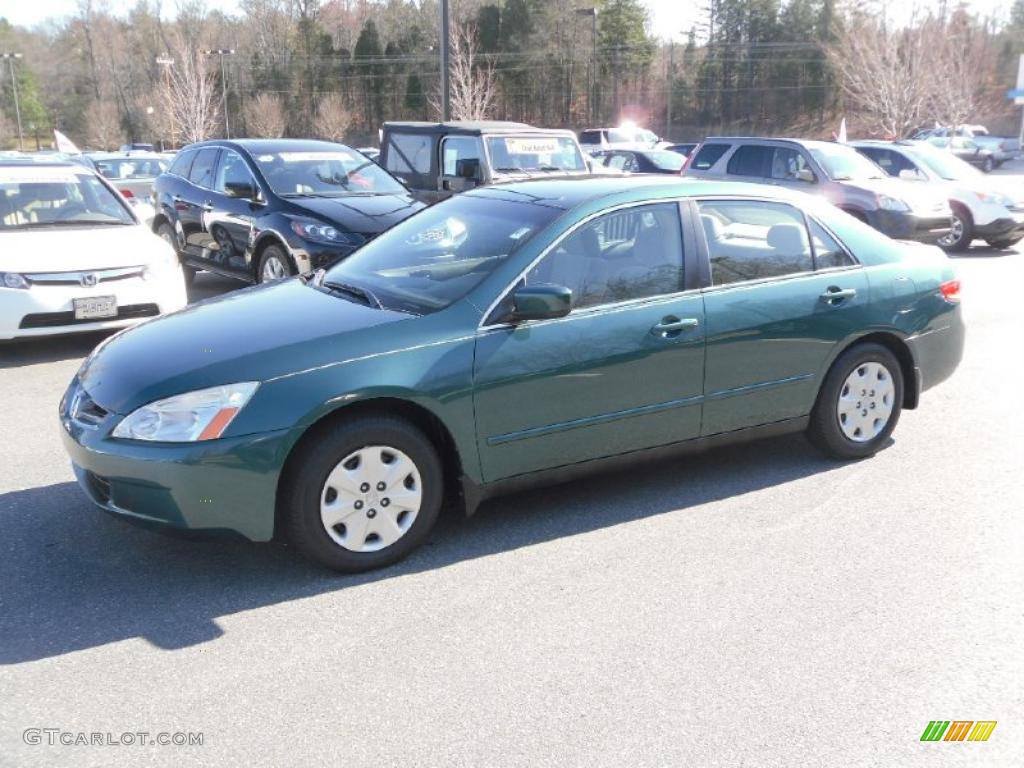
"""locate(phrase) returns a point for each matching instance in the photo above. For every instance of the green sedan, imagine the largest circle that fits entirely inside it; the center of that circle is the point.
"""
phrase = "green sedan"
(505, 337)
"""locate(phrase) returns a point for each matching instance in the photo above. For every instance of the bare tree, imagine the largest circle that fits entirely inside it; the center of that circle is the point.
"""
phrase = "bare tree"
(471, 79)
(104, 122)
(964, 65)
(333, 118)
(193, 97)
(886, 74)
(265, 117)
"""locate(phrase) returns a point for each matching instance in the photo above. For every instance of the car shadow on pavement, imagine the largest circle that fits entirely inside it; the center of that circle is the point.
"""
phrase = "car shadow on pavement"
(75, 578)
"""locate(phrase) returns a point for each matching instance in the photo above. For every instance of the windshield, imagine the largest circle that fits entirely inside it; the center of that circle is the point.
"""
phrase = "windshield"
(946, 165)
(325, 173)
(534, 153)
(843, 163)
(666, 161)
(123, 169)
(52, 197)
(436, 257)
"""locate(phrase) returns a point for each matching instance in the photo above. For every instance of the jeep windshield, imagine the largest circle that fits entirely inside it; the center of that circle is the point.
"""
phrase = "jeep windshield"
(436, 257)
(324, 173)
(515, 154)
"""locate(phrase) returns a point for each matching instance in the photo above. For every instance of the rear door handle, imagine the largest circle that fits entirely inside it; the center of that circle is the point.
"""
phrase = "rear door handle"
(837, 295)
(674, 325)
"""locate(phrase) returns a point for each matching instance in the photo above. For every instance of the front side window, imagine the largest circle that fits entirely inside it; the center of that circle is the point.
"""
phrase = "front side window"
(535, 153)
(409, 153)
(324, 173)
(749, 160)
(790, 165)
(233, 171)
(753, 240)
(52, 197)
(436, 257)
(456, 148)
(202, 169)
(629, 254)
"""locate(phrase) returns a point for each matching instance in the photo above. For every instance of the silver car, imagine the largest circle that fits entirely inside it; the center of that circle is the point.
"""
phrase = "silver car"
(899, 208)
(131, 173)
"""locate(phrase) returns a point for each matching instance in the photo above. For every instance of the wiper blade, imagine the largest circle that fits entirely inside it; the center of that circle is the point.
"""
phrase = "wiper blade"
(514, 169)
(354, 290)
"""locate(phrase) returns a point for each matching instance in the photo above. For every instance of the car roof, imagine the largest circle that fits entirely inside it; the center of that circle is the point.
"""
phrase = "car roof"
(567, 193)
(269, 146)
(472, 127)
(138, 153)
(808, 143)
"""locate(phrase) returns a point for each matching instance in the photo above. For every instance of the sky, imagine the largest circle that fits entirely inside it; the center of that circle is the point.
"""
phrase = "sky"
(669, 18)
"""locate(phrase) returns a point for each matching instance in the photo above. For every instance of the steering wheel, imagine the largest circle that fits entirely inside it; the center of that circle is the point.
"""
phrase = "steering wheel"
(69, 212)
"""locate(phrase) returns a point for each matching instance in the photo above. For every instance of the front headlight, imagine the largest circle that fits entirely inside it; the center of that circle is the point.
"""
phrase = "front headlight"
(13, 280)
(200, 415)
(892, 203)
(323, 233)
(996, 198)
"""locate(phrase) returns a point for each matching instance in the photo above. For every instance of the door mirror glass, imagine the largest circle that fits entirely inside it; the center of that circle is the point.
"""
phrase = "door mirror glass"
(541, 302)
(468, 168)
(910, 174)
(244, 190)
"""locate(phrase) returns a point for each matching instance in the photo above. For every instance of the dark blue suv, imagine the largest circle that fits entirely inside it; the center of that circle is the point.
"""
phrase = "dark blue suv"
(263, 209)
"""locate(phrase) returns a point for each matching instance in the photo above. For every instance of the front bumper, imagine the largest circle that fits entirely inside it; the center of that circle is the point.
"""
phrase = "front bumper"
(217, 486)
(1004, 228)
(309, 256)
(45, 310)
(908, 225)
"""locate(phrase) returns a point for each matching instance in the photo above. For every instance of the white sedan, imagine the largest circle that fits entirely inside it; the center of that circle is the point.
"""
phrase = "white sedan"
(74, 256)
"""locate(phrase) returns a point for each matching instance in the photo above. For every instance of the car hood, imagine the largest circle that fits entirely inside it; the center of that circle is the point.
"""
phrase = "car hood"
(365, 214)
(74, 249)
(249, 335)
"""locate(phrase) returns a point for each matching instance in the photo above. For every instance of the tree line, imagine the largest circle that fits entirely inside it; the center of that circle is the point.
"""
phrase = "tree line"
(339, 68)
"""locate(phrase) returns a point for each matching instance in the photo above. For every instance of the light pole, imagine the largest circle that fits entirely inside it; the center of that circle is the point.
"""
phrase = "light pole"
(14, 86)
(592, 69)
(222, 52)
(446, 105)
(167, 62)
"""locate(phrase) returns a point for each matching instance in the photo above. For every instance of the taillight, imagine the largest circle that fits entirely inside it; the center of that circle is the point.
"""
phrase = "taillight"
(950, 290)
(127, 193)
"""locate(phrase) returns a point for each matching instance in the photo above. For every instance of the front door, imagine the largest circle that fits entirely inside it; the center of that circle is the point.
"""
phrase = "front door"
(775, 311)
(623, 371)
(196, 201)
(230, 222)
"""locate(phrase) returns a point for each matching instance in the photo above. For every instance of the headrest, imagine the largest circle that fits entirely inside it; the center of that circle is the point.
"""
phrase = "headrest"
(788, 239)
(584, 241)
(712, 227)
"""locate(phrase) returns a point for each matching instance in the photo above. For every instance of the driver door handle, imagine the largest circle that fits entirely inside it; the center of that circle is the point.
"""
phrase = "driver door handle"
(836, 295)
(672, 325)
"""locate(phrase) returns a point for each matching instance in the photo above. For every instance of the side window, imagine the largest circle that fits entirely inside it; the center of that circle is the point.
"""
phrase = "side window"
(232, 170)
(630, 163)
(456, 148)
(616, 161)
(790, 165)
(752, 240)
(709, 155)
(828, 254)
(749, 160)
(629, 254)
(203, 167)
(183, 162)
(409, 153)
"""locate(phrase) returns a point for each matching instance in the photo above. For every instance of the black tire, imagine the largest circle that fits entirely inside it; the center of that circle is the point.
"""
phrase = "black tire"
(1007, 243)
(962, 241)
(988, 165)
(824, 429)
(302, 489)
(274, 252)
(166, 233)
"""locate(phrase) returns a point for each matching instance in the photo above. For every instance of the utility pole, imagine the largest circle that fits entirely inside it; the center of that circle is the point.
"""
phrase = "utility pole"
(166, 62)
(668, 96)
(591, 67)
(446, 41)
(14, 87)
(222, 52)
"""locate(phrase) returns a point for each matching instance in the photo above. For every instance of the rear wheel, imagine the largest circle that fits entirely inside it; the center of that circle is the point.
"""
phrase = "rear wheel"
(988, 164)
(166, 233)
(859, 403)
(365, 494)
(961, 231)
(274, 265)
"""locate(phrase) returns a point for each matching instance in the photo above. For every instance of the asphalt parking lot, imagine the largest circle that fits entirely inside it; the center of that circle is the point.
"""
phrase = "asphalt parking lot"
(756, 606)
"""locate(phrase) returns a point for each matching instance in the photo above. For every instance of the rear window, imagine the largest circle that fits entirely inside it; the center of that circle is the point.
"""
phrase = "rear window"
(183, 162)
(202, 169)
(749, 160)
(708, 155)
(409, 153)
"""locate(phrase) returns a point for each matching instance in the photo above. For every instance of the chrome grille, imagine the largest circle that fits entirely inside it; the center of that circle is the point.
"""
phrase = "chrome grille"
(84, 410)
(84, 276)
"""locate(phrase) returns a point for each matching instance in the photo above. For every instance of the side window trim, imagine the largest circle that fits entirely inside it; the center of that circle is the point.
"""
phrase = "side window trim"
(487, 321)
(854, 261)
(218, 153)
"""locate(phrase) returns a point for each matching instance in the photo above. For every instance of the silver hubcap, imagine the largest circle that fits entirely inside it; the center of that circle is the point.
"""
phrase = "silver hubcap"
(273, 269)
(956, 231)
(866, 402)
(371, 498)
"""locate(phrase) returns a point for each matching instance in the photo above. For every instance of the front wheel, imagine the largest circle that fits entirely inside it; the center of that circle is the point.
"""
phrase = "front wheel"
(364, 494)
(988, 165)
(274, 265)
(961, 231)
(858, 404)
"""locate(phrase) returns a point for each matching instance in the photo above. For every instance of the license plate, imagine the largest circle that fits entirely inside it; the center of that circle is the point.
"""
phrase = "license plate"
(95, 307)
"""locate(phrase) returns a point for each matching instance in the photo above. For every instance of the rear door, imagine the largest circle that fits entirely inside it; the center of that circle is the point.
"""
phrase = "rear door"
(195, 200)
(783, 293)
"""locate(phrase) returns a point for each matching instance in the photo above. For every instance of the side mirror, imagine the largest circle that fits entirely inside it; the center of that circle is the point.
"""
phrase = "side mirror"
(806, 175)
(468, 168)
(244, 190)
(541, 302)
(910, 175)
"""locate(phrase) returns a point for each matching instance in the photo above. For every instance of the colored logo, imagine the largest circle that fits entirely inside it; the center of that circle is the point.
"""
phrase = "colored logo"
(958, 730)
